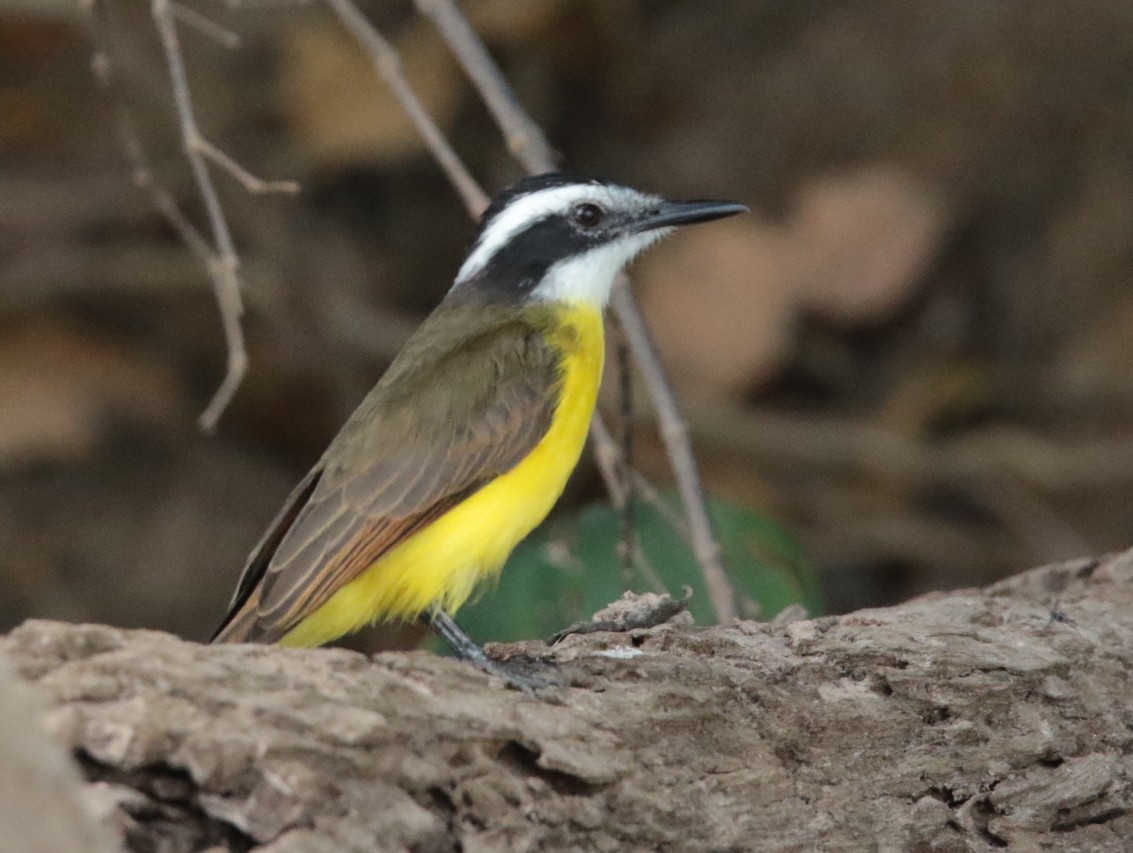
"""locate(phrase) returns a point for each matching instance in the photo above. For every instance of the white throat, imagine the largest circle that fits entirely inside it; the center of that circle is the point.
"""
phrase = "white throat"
(588, 278)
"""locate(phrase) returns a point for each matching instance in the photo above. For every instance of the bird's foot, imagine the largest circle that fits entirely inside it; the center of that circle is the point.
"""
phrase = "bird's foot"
(521, 672)
(527, 674)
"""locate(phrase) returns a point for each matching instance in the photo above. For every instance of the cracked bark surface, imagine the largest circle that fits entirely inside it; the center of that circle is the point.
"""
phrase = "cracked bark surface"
(959, 721)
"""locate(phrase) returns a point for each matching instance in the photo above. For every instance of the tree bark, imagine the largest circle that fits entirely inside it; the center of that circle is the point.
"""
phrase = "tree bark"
(959, 721)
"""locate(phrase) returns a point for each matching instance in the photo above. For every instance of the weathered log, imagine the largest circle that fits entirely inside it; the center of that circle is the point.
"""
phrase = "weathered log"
(959, 721)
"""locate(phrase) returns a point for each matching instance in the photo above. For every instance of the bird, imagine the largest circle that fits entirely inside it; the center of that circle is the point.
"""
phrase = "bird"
(466, 442)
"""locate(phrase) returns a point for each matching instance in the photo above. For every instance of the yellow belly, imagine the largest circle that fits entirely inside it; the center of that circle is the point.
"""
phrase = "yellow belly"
(441, 565)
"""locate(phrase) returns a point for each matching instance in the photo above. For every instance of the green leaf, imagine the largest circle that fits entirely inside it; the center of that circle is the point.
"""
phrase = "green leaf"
(570, 568)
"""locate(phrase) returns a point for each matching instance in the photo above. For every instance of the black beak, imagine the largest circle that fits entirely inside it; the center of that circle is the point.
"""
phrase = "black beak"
(672, 213)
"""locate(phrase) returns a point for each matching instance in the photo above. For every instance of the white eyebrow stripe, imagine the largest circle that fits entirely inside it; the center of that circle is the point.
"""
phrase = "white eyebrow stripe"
(517, 216)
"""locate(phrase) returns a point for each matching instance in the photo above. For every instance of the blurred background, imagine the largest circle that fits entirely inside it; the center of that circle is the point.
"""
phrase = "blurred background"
(913, 356)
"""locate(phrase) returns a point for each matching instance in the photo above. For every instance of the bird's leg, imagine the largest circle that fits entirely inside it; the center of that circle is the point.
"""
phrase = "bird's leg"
(466, 649)
(447, 629)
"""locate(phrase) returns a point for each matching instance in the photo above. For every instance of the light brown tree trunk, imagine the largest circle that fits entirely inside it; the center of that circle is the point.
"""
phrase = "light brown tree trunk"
(959, 721)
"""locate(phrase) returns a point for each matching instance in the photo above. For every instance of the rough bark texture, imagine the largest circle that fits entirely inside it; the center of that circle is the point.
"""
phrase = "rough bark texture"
(41, 809)
(959, 721)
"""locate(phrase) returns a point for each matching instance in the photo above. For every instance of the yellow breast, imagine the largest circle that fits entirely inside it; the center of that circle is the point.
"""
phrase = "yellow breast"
(442, 564)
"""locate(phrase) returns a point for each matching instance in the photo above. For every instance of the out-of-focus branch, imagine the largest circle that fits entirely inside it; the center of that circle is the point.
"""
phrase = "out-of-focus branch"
(675, 435)
(223, 264)
(206, 26)
(218, 255)
(608, 458)
(523, 137)
(388, 65)
(528, 144)
(142, 172)
(252, 183)
(625, 423)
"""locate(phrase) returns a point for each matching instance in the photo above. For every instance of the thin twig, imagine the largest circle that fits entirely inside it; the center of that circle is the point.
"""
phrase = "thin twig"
(523, 137)
(675, 435)
(270, 5)
(219, 257)
(224, 265)
(206, 26)
(250, 182)
(141, 171)
(608, 458)
(388, 65)
(625, 393)
(648, 492)
(536, 157)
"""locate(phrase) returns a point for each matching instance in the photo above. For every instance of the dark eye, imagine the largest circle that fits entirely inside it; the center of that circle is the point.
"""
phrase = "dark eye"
(587, 215)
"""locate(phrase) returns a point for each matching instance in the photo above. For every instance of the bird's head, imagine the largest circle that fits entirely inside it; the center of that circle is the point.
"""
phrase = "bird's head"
(561, 237)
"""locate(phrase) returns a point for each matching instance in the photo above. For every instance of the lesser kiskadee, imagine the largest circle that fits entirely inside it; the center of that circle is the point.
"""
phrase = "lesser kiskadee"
(467, 441)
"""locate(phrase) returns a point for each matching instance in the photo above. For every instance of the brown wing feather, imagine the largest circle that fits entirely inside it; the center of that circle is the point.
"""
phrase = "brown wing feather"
(371, 541)
(245, 600)
(439, 425)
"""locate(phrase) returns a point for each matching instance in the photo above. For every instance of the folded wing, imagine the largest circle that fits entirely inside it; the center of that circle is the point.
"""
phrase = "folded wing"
(438, 427)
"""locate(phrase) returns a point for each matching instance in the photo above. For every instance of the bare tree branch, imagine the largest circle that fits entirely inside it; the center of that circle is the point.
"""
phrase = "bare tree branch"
(608, 458)
(388, 65)
(253, 184)
(190, 17)
(626, 542)
(675, 435)
(223, 264)
(523, 137)
(648, 492)
(218, 255)
(142, 173)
